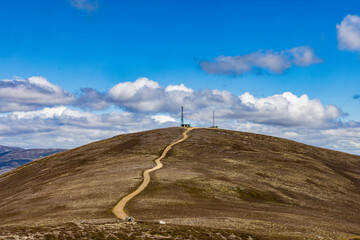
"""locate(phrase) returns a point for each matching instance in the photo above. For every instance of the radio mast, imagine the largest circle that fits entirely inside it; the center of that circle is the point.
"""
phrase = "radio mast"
(213, 125)
(182, 116)
(213, 117)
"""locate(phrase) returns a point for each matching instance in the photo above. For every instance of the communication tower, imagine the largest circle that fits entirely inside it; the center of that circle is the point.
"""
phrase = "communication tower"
(213, 126)
(182, 119)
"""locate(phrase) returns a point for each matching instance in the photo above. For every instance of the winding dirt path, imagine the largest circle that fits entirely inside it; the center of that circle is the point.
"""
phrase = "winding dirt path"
(118, 210)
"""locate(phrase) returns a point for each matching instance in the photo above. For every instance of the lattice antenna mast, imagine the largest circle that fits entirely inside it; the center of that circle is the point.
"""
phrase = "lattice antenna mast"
(182, 116)
(213, 117)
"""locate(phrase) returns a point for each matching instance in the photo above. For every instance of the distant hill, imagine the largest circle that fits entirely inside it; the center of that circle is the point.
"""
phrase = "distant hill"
(4, 149)
(13, 157)
(215, 179)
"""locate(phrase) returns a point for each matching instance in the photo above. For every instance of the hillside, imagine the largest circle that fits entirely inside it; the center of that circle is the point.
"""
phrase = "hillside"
(216, 178)
(4, 149)
(13, 157)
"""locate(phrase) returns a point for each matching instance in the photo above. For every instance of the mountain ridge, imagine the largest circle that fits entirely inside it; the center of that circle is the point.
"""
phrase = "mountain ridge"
(215, 179)
(13, 157)
(4, 149)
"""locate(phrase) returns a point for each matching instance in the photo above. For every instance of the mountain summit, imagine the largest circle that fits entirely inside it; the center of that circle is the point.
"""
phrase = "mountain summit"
(214, 179)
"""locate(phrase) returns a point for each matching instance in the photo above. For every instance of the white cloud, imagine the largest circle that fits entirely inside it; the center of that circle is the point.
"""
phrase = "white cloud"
(32, 93)
(348, 33)
(340, 137)
(65, 127)
(302, 56)
(180, 87)
(91, 99)
(288, 109)
(89, 5)
(126, 90)
(163, 118)
(148, 96)
(147, 105)
(262, 60)
(55, 112)
(145, 95)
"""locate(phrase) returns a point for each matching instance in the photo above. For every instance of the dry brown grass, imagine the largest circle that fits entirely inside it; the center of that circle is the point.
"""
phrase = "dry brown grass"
(123, 231)
(235, 180)
(83, 183)
(253, 183)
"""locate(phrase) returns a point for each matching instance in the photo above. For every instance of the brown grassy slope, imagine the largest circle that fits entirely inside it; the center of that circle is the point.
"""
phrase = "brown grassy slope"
(124, 231)
(80, 184)
(257, 183)
(216, 178)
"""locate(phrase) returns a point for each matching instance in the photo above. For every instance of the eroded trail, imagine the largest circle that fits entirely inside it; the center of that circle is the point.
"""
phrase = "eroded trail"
(118, 210)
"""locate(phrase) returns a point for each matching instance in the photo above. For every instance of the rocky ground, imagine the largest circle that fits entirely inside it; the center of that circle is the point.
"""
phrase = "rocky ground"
(119, 230)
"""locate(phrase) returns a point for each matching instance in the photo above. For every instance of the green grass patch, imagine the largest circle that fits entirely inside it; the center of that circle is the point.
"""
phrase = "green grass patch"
(258, 196)
(124, 146)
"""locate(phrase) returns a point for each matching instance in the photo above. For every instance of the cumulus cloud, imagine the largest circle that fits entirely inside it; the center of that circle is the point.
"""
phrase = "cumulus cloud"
(31, 93)
(348, 33)
(262, 60)
(89, 5)
(126, 90)
(143, 95)
(40, 119)
(342, 137)
(288, 109)
(65, 127)
(147, 96)
(91, 99)
(181, 87)
(163, 118)
(54, 113)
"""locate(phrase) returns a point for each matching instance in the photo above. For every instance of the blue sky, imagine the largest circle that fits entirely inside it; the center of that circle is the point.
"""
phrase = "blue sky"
(231, 46)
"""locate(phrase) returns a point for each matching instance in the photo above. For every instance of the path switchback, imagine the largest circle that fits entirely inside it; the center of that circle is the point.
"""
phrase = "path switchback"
(118, 210)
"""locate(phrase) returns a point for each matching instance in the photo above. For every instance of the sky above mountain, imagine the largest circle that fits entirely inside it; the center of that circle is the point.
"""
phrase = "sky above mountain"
(76, 71)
